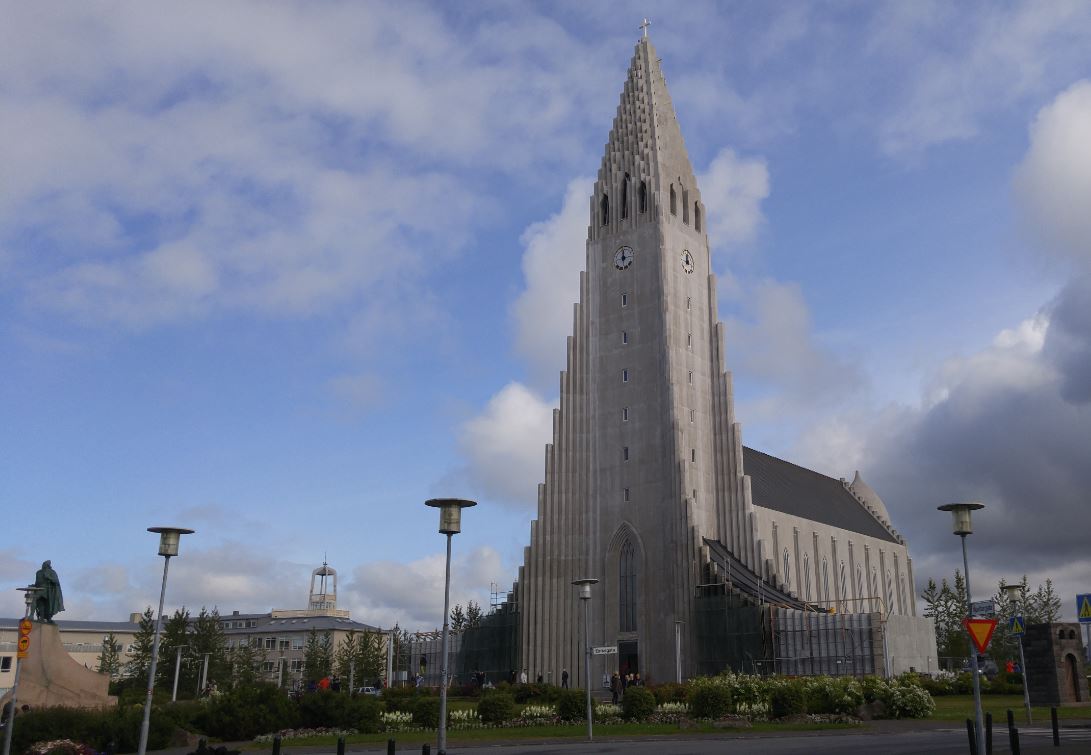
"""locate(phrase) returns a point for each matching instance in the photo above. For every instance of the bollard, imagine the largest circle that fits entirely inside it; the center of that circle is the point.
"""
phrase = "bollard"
(276, 745)
(1013, 740)
(988, 734)
(970, 733)
(340, 746)
(1056, 728)
(111, 748)
(202, 744)
(426, 749)
(1011, 719)
(390, 747)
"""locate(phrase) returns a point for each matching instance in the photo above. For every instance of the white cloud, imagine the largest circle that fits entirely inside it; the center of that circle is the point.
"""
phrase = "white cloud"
(505, 445)
(361, 391)
(733, 189)
(1053, 182)
(555, 254)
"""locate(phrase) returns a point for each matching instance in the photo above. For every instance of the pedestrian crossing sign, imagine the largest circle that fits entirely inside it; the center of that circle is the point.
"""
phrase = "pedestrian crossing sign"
(1083, 608)
(1017, 626)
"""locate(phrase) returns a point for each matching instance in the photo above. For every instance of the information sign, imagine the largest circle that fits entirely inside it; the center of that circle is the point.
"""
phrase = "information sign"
(608, 650)
(23, 645)
(984, 609)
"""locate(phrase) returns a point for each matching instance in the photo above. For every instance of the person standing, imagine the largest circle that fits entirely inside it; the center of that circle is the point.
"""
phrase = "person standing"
(564, 678)
(615, 687)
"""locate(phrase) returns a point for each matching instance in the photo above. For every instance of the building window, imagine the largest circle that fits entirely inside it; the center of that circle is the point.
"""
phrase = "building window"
(685, 206)
(625, 197)
(267, 667)
(270, 643)
(904, 602)
(625, 375)
(689, 302)
(695, 494)
(844, 586)
(643, 197)
(624, 336)
(689, 377)
(5, 663)
(693, 455)
(604, 207)
(697, 216)
(297, 643)
(689, 340)
(889, 593)
(624, 414)
(627, 589)
(692, 415)
(674, 202)
(860, 594)
(825, 581)
(624, 300)
(625, 453)
(626, 495)
(806, 577)
(297, 665)
(875, 596)
(284, 644)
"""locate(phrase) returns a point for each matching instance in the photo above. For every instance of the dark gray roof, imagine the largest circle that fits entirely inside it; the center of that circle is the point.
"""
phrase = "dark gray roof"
(790, 489)
(81, 626)
(265, 623)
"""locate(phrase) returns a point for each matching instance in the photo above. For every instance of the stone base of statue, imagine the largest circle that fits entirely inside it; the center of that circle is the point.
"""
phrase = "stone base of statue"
(49, 676)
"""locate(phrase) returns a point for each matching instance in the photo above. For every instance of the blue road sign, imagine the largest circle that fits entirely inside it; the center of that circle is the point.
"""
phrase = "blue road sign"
(1083, 608)
(1017, 626)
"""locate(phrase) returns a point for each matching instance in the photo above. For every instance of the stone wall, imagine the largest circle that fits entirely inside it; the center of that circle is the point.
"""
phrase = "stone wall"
(1056, 673)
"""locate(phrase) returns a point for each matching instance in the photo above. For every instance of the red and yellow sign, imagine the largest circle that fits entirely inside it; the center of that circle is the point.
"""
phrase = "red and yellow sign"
(980, 631)
(24, 638)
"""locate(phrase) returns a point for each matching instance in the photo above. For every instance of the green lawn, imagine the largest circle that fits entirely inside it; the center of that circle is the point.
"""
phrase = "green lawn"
(961, 707)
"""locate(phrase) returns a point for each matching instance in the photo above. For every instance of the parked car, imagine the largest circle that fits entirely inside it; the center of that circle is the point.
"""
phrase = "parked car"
(373, 691)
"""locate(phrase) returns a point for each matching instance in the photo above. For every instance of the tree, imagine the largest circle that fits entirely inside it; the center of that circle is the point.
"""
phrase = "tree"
(402, 643)
(473, 615)
(140, 658)
(246, 661)
(946, 606)
(458, 619)
(109, 660)
(318, 656)
(1045, 605)
(344, 660)
(207, 637)
(176, 635)
(371, 657)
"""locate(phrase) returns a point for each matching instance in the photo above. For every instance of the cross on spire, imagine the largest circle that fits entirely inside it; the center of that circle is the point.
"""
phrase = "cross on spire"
(645, 26)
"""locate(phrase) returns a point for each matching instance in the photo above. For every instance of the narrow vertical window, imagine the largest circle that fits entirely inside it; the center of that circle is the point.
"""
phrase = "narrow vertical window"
(689, 302)
(787, 570)
(693, 455)
(625, 453)
(643, 197)
(695, 494)
(624, 300)
(689, 377)
(674, 202)
(692, 415)
(625, 375)
(697, 216)
(685, 206)
(806, 577)
(844, 587)
(860, 595)
(625, 197)
(626, 493)
(604, 207)
(624, 414)
(627, 588)
(889, 593)
(689, 340)
(624, 336)
(825, 581)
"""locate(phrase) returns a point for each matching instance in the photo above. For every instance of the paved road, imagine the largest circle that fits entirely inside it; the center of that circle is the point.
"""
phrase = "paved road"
(928, 741)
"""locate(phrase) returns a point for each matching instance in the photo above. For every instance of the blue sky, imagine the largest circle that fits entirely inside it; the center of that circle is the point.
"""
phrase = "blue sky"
(281, 272)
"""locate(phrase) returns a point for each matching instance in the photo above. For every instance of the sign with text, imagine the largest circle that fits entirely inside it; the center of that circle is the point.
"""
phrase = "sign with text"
(1083, 608)
(985, 609)
(609, 650)
(980, 631)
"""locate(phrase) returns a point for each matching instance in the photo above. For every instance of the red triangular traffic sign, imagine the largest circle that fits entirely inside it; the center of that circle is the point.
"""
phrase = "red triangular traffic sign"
(980, 631)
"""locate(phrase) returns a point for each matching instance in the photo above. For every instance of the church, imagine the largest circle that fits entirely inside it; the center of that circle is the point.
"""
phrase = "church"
(710, 555)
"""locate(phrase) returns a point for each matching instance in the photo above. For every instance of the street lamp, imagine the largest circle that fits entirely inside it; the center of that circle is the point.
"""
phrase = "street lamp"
(962, 527)
(1016, 594)
(450, 523)
(168, 546)
(31, 593)
(585, 598)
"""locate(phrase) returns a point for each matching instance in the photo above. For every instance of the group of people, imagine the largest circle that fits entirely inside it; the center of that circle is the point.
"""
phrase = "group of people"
(620, 682)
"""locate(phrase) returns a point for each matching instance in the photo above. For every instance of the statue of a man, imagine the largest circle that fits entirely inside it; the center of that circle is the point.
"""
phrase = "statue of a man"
(47, 602)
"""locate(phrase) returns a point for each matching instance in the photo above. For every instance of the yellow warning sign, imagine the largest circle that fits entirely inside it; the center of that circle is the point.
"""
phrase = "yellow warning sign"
(1017, 625)
(1085, 608)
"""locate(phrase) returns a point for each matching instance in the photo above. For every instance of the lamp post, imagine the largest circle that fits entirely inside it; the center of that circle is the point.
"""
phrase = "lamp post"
(585, 598)
(1016, 594)
(168, 546)
(177, 668)
(678, 650)
(31, 594)
(450, 523)
(963, 527)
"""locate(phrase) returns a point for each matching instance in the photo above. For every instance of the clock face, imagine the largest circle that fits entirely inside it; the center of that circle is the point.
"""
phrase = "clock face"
(623, 257)
(687, 261)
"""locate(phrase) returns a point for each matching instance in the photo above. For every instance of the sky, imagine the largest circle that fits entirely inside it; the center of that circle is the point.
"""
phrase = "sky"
(280, 272)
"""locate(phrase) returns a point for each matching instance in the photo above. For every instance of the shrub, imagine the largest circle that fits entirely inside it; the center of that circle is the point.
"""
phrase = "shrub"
(247, 711)
(401, 698)
(97, 728)
(496, 707)
(833, 695)
(909, 701)
(539, 693)
(638, 704)
(327, 709)
(670, 692)
(426, 712)
(786, 698)
(710, 701)
(571, 704)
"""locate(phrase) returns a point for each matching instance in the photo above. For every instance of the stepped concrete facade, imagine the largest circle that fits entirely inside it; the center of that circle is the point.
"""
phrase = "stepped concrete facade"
(647, 470)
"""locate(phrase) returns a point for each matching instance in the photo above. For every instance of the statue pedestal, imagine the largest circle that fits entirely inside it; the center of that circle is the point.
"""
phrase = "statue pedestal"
(49, 676)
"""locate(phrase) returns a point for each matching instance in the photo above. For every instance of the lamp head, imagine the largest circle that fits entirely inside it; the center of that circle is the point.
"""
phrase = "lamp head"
(1014, 593)
(585, 586)
(450, 513)
(961, 513)
(168, 539)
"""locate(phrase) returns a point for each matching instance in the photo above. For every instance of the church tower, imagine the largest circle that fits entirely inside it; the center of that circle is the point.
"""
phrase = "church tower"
(645, 459)
(644, 485)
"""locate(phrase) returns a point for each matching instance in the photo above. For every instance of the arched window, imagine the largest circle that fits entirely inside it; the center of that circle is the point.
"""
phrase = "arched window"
(825, 581)
(674, 202)
(627, 589)
(643, 197)
(860, 594)
(787, 570)
(844, 587)
(806, 577)
(625, 197)
(889, 593)
(697, 216)
(605, 207)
